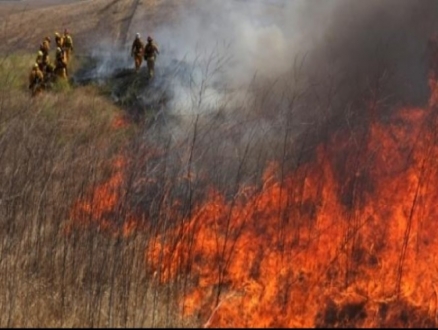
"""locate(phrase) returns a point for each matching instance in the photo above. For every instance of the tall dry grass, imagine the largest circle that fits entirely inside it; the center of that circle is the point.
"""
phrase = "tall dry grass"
(53, 150)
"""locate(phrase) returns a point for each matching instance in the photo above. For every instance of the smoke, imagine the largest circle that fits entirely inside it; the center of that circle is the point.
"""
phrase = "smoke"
(367, 39)
(337, 38)
(331, 53)
(250, 77)
(231, 42)
(225, 44)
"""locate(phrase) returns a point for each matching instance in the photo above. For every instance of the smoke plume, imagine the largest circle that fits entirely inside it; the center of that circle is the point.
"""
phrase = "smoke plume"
(335, 38)
(251, 77)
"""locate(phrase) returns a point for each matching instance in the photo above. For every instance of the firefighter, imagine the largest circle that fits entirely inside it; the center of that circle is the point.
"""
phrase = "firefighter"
(36, 80)
(150, 53)
(45, 47)
(61, 65)
(39, 60)
(45, 66)
(67, 45)
(137, 51)
(59, 40)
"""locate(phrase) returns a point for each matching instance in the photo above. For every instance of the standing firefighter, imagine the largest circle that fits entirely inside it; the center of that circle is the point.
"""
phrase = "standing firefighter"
(40, 61)
(45, 48)
(36, 79)
(45, 66)
(59, 40)
(137, 50)
(68, 45)
(61, 65)
(150, 52)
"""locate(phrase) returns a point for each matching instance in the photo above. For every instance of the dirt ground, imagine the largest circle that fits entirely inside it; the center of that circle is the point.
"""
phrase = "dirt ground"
(24, 23)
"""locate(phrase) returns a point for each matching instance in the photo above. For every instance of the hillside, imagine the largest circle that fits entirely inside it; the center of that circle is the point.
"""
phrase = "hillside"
(55, 149)
(278, 171)
(25, 23)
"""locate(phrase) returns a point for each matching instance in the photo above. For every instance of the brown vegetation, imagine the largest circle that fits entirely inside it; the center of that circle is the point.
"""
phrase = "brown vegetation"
(104, 225)
(53, 150)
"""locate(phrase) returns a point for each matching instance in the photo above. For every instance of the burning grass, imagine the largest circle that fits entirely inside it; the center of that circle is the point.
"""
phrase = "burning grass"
(53, 150)
(343, 239)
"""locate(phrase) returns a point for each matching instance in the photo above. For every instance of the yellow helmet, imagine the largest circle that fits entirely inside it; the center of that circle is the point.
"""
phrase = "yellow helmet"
(57, 34)
(35, 66)
(40, 53)
(58, 50)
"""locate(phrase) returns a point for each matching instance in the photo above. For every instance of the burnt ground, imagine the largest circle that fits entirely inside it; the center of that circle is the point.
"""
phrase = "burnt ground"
(139, 96)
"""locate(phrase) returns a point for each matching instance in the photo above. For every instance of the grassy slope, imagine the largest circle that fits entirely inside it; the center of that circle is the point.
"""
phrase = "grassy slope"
(52, 150)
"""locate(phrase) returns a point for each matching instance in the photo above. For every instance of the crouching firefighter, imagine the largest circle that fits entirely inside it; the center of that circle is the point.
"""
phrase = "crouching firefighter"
(150, 53)
(36, 80)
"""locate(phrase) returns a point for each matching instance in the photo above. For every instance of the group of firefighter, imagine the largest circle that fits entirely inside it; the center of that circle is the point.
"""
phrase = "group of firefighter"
(148, 52)
(44, 71)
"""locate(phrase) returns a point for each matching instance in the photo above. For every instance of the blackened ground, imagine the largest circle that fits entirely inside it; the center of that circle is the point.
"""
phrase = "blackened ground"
(138, 95)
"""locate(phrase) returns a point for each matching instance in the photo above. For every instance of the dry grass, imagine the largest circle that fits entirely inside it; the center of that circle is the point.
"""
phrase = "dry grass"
(57, 148)
(53, 149)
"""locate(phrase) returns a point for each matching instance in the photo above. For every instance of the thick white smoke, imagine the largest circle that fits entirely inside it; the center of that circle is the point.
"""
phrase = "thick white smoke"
(266, 39)
(254, 75)
(244, 39)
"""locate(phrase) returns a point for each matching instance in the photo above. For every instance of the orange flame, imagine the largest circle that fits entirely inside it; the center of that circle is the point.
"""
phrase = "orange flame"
(317, 248)
(100, 204)
(119, 122)
(312, 250)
